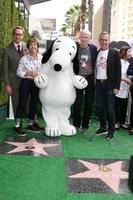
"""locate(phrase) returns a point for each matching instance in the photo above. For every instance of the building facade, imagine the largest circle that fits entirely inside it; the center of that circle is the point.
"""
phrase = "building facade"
(122, 20)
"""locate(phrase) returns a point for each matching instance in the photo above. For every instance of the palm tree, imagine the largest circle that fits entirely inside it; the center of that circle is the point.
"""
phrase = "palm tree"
(64, 29)
(71, 17)
(75, 19)
(80, 23)
(83, 13)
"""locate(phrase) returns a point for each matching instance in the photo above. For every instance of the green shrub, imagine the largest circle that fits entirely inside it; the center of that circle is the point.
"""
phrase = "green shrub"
(3, 95)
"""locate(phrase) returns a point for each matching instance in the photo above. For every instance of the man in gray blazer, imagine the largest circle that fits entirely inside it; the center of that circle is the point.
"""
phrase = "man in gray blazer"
(13, 52)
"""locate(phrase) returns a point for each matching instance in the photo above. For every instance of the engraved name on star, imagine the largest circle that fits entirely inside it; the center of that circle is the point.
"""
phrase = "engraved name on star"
(110, 174)
(30, 145)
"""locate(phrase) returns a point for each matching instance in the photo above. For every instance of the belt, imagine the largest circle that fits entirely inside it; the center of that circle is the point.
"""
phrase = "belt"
(101, 80)
(86, 76)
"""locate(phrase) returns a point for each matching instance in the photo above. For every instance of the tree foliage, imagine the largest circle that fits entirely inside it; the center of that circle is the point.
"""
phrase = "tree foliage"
(75, 19)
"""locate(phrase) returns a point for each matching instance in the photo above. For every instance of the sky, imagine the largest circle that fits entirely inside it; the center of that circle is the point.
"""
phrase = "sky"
(56, 9)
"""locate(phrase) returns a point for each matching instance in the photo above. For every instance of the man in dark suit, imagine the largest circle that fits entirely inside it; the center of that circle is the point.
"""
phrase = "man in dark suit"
(84, 64)
(108, 78)
(13, 52)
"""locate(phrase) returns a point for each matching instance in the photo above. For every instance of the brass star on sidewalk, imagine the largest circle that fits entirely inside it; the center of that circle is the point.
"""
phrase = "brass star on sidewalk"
(30, 145)
(110, 174)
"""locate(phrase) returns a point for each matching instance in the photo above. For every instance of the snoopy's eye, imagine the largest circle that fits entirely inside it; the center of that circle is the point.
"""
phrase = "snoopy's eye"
(70, 54)
(57, 49)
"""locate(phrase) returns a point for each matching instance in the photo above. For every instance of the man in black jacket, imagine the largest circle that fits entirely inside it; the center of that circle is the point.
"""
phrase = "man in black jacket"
(108, 78)
(84, 64)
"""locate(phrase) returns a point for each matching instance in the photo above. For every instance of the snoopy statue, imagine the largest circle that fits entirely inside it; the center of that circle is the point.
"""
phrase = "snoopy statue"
(57, 85)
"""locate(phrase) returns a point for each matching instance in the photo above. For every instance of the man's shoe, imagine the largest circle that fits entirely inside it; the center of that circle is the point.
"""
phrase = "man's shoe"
(117, 126)
(19, 131)
(85, 131)
(31, 128)
(130, 132)
(124, 126)
(78, 128)
(101, 131)
(109, 136)
(37, 126)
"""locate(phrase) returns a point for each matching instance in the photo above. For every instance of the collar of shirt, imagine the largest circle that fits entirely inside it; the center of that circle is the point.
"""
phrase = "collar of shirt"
(16, 45)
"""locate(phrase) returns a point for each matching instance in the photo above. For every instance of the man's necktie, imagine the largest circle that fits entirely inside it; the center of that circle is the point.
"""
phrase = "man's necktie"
(19, 49)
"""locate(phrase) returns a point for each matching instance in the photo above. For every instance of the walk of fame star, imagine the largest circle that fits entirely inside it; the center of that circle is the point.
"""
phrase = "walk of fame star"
(94, 176)
(35, 147)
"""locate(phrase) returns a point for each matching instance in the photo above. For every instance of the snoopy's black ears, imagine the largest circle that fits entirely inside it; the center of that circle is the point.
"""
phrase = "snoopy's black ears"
(48, 53)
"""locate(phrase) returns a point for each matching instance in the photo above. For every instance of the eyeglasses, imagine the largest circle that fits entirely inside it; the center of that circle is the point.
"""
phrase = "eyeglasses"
(19, 34)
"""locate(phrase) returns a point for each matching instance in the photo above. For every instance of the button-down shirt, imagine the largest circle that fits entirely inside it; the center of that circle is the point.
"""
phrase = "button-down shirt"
(27, 62)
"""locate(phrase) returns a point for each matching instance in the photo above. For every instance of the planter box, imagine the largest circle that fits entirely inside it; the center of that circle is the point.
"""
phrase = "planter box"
(3, 112)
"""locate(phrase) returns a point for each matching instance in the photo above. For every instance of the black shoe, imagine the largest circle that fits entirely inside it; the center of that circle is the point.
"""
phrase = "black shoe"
(85, 131)
(109, 136)
(31, 128)
(124, 126)
(101, 131)
(130, 132)
(19, 131)
(38, 127)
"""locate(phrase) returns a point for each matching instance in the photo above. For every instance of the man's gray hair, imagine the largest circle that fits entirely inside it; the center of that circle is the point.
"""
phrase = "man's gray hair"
(85, 31)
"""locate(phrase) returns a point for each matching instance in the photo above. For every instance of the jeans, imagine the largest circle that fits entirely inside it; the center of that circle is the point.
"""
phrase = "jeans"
(105, 104)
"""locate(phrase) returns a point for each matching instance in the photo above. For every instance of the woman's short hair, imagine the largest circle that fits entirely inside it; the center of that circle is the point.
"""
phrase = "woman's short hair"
(32, 40)
(123, 51)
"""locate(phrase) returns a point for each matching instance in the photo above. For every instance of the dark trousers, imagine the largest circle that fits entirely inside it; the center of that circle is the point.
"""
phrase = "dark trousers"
(120, 110)
(15, 99)
(106, 105)
(131, 111)
(27, 89)
(79, 118)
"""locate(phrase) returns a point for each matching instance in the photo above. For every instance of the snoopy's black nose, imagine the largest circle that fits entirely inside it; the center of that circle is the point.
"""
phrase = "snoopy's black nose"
(57, 67)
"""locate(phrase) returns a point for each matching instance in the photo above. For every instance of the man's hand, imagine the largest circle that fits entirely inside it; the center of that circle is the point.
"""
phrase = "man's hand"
(8, 90)
(115, 91)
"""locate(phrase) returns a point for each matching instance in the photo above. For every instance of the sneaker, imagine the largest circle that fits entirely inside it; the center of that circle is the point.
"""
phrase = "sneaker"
(31, 128)
(124, 126)
(37, 126)
(130, 132)
(109, 136)
(85, 131)
(19, 131)
(77, 128)
(101, 131)
(117, 126)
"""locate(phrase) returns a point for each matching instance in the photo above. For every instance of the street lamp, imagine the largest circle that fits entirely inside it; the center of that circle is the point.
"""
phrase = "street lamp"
(90, 14)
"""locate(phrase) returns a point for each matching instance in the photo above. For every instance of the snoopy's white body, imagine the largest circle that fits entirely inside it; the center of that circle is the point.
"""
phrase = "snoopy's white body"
(57, 88)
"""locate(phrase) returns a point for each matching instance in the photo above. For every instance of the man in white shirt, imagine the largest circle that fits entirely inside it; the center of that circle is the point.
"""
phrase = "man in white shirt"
(108, 78)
